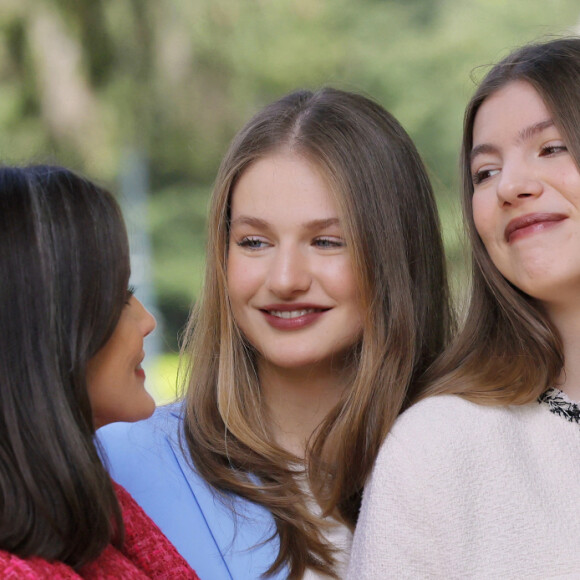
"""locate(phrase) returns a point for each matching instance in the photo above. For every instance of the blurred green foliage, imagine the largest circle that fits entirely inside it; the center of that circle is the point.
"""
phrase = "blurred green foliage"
(84, 80)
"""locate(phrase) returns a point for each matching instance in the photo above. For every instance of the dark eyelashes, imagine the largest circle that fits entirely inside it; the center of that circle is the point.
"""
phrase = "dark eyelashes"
(322, 242)
(545, 151)
(553, 149)
(252, 243)
(330, 243)
(130, 293)
(480, 176)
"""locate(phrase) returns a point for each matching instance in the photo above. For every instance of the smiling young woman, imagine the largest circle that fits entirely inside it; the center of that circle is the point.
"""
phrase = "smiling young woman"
(482, 481)
(526, 197)
(325, 300)
(70, 353)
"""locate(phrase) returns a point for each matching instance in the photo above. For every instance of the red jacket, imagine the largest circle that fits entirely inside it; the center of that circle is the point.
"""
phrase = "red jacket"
(146, 553)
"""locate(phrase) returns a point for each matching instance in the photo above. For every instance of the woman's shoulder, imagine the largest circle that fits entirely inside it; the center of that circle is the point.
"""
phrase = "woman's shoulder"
(443, 429)
(452, 432)
(219, 539)
(164, 422)
(148, 459)
(446, 416)
(142, 447)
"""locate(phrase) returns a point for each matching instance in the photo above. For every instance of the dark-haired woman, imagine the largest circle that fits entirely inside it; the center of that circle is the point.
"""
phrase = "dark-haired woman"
(71, 349)
(483, 480)
(324, 301)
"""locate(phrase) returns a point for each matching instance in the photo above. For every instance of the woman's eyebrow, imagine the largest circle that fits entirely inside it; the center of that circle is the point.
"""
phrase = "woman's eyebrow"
(482, 150)
(321, 223)
(529, 132)
(263, 224)
(524, 135)
(247, 220)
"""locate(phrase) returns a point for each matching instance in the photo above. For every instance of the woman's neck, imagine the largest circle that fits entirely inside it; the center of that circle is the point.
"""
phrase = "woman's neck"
(567, 321)
(298, 400)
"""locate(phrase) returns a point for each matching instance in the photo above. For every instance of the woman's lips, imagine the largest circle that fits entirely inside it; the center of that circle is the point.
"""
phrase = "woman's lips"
(139, 371)
(530, 224)
(292, 317)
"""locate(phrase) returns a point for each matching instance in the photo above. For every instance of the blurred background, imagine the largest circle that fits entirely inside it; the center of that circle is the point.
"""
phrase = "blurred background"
(143, 96)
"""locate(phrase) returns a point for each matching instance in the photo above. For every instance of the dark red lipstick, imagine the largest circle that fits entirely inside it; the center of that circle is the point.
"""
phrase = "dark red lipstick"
(292, 316)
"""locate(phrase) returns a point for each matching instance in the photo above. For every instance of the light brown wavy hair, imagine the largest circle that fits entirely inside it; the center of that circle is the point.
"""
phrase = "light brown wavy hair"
(392, 230)
(508, 351)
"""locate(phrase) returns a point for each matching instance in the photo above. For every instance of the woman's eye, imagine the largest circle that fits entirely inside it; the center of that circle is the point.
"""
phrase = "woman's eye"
(482, 175)
(549, 150)
(329, 242)
(130, 294)
(252, 243)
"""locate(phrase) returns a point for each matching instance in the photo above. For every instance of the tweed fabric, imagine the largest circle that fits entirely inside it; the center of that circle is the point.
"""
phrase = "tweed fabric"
(146, 554)
(461, 490)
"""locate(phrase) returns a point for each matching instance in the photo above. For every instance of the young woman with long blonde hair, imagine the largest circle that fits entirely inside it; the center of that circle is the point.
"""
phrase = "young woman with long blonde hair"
(325, 300)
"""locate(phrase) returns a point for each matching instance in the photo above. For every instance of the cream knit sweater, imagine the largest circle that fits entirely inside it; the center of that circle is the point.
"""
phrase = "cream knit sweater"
(461, 490)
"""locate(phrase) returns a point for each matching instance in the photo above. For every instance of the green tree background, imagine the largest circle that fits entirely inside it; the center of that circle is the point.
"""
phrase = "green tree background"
(87, 83)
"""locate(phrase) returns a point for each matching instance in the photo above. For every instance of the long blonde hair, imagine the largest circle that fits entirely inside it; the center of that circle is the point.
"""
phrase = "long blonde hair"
(508, 351)
(393, 232)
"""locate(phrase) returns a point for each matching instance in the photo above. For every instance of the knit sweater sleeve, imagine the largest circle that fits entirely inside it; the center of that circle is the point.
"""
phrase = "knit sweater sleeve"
(146, 546)
(414, 511)
(14, 568)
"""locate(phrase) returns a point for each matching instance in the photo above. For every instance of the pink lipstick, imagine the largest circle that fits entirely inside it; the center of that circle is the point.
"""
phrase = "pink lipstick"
(530, 224)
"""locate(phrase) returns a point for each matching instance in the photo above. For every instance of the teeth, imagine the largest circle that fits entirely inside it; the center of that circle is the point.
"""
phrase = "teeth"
(291, 313)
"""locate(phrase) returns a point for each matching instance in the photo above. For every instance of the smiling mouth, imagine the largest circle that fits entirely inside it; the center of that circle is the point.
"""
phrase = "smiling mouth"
(288, 314)
(532, 222)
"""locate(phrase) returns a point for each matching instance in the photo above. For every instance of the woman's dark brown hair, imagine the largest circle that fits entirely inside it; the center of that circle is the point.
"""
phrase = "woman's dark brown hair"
(64, 270)
(388, 211)
(508, 352)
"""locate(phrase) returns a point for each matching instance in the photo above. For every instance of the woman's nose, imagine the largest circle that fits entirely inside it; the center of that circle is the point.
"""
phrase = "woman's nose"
(289, 272)
(147, 320)
(516, 183)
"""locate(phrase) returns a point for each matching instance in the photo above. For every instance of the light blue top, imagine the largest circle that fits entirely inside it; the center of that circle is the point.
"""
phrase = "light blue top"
(146, 459)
